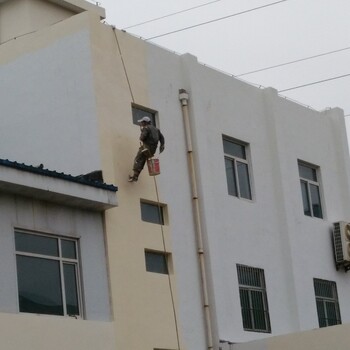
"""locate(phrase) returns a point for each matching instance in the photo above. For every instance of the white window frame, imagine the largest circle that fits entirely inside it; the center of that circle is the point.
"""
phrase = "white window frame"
(62, 261)
(314, 183)
(234, 159)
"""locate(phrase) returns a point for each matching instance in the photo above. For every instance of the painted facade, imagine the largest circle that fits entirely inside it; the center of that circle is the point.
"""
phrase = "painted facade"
(67, 103)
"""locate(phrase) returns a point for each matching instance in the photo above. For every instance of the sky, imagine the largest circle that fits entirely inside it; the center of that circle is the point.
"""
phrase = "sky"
(278, 32)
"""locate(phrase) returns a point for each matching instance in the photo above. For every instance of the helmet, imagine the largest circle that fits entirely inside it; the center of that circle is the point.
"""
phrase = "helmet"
(144, 120)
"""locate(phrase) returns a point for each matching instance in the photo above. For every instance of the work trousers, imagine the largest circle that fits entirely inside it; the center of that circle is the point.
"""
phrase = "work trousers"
(141, 158)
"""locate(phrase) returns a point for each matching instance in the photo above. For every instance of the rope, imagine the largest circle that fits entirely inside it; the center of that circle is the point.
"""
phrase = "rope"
(123, 63)
(169, 279)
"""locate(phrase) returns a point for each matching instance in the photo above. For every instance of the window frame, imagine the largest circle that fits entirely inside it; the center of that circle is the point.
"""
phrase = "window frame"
(160, 209)
(151, 113)
(165, 256)
(235, 160)
(63, 261)
(308, 183)
(326, 299)
(250, 288)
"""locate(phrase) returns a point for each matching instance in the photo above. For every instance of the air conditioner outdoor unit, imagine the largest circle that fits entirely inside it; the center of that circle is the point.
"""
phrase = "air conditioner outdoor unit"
(341, 241)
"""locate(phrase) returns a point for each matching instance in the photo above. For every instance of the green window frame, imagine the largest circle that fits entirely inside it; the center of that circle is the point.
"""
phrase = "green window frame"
(327, 304)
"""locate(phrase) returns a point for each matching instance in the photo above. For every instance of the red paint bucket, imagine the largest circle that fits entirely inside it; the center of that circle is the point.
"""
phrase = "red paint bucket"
(153, 166)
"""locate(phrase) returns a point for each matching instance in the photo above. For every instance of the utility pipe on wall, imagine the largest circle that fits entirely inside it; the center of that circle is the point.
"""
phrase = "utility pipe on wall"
(184, 97)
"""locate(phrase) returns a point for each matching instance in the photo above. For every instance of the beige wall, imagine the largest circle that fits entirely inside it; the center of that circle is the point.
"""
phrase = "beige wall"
(142, 301)
(54, 333)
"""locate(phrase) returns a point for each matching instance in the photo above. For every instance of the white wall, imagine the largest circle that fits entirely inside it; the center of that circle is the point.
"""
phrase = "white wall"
(271, 231)
(48, 106)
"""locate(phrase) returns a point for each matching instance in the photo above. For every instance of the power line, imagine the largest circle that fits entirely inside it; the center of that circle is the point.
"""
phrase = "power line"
(315, 82)
(291, 62)
(217, 19)
(169, 15)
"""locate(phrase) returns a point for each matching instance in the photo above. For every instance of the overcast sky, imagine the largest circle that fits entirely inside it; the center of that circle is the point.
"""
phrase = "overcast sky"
(286, 31)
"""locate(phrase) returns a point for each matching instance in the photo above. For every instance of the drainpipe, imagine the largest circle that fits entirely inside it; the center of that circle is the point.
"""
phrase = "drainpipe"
(184, 97)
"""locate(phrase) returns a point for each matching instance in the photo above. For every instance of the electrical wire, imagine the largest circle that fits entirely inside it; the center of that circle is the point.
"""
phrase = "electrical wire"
(170, 14)
(291, 62)
(217, 19)
(314, 83)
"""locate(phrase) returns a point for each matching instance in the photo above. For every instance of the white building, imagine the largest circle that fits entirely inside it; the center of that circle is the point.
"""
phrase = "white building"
(54, 289)
(249, 228)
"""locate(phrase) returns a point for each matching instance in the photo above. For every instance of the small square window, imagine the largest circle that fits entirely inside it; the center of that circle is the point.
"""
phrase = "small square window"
(237, 168)
(152, 213)
(140, 112)
(156, 262)
(327, 303)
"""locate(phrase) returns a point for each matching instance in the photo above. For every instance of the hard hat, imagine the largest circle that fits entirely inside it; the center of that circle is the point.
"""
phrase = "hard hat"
(144, 120)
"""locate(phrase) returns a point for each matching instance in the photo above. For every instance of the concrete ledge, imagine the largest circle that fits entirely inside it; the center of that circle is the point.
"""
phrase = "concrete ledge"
(55, 190)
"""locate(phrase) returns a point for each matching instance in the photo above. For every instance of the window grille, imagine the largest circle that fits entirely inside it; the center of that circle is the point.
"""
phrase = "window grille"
(327, 303)
(252, 291)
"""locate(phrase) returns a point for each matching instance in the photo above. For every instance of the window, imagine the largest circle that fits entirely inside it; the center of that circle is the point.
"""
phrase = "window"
(140, 112)
(237, 170)
(47, 274)
(152, 213)
(310, 190)
(156, 262)
(252, 292)
(327, 303)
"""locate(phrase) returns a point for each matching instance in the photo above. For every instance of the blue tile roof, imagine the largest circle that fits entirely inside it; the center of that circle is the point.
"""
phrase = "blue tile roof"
(52, 173)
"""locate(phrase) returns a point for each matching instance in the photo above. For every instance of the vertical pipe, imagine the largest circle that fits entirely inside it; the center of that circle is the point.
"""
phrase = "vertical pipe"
(184, 97)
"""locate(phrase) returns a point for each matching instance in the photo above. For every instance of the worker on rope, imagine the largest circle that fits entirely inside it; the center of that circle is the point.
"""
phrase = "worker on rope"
(149, 138)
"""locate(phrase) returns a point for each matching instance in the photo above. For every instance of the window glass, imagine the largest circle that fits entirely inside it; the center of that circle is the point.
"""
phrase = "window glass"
(310, 191)
(71, 288)
(138, 113)
(234, 149)
(156, 262)
(68, 249)
(231, 177)
(244, 183)
(305, 196)
(47, 283)
(152, 213)
(245, 305)
(316, 201)
(36, 244)
(307, 172)
(237, 169)
(39, 286)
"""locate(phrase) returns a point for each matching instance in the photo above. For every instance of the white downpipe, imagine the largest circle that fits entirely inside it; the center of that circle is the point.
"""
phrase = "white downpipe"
(184, 97)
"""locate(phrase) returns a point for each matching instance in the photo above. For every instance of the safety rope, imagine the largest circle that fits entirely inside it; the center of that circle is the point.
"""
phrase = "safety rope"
(159, 206)
(166, 252)
(123, 63)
